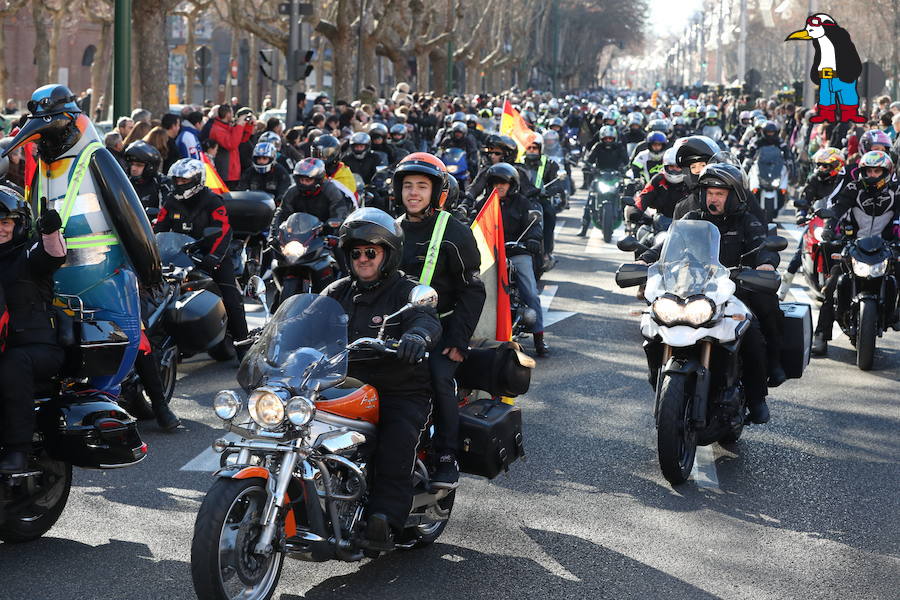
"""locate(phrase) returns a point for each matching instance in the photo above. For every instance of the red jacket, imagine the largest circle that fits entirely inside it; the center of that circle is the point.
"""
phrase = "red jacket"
(228, 159)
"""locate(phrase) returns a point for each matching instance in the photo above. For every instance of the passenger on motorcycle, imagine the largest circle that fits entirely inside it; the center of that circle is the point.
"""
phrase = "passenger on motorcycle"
(607, 155)
(871, 205)
(497, 149)
(265, 174)
(665, 189)
(724, 196)
(378, 134)
(286, 158)
(372, 244)
(400, 140)
(452, 269)
(361, 159)
(518, 225)
(648, 162)
(825, 182)
(192, 209)
(143, 162)
(29, 351)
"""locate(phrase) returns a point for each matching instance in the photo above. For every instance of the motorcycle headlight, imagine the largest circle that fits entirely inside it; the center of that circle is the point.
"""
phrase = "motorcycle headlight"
(775, 182)
(861, 269)
(300, 410)
(293, 250)
(817, 233)
(605, 188)
(452, 168)
(266, 407)
(669, 311)
(227, 405)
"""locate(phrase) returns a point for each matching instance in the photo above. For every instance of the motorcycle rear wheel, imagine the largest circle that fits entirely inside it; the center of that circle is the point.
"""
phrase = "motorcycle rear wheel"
(135, 399)
(42, 513)
(676, 439)
(866, 334)
(223, 566)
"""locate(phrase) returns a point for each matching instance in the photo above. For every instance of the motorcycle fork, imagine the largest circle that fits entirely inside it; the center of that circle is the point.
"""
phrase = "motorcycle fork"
(277, 490)
(701, 386)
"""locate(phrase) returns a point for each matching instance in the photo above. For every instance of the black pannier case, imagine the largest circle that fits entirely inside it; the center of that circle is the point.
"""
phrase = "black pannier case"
(249, 212)
(796, 339)
(196, 321)
(490, 437)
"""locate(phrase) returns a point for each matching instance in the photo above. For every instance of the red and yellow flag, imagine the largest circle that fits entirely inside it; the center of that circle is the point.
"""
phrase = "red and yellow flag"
(213, 181)
(496, 320)
(513, 125)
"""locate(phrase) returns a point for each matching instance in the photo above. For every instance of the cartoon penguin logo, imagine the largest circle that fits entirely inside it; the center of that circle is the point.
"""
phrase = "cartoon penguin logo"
(835, 69)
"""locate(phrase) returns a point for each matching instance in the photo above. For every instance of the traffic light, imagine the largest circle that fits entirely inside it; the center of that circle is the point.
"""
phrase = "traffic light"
(302, 65)
(265, 63)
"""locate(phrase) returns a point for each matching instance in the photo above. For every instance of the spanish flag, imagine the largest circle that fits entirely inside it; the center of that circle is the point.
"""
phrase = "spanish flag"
(513, 125)
(496, 320)
(213, 181)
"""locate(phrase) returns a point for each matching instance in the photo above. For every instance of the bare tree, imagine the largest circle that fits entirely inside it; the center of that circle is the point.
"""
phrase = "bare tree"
(7, 9)
(101, 12)
(149, 27)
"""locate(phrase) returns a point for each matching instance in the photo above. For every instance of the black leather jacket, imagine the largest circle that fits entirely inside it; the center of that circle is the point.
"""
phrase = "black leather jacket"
(26, 276)
(190, 217)
(275, 182)
(329, 203)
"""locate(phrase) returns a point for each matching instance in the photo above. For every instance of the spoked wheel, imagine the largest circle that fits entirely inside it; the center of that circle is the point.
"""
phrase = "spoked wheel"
(676, 438)
(427, 533)
(39, 501)
(224, 562)
(135, 398)
(867, 332)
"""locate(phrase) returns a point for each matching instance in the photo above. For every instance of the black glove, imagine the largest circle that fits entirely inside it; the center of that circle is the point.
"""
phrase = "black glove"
(828, 234)
(49, 222)
(411, 349)
(208, 264)
(801, 219)
(533, 246)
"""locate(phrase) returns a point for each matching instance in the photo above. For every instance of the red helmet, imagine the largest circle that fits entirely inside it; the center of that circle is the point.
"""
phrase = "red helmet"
(423, 163)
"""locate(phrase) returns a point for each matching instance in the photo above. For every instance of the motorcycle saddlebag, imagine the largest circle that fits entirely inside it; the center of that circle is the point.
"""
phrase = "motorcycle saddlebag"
(796, 340)
(102, 346)
(249, 212)
(196, 321)
(92, 433)
(500, 371)
(490, 437)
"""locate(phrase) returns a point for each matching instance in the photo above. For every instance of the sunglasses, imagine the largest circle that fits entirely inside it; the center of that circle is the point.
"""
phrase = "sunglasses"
(371, 253)
(492, 153)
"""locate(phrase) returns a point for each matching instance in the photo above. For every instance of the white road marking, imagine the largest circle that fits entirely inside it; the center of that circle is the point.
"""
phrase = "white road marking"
(795, 230)
(551, 317)
(595, 243)
(704, 471)
(208, 460)
(560, 225)
(800, 294)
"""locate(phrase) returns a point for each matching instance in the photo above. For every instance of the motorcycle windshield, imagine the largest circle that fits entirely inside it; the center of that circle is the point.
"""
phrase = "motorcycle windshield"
(455, 159)
(304, 342)
(690, 258)
(171, 248)
(300, 227)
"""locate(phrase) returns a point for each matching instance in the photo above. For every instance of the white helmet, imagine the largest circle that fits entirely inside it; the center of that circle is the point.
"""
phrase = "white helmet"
(671, 171)
(194, 171)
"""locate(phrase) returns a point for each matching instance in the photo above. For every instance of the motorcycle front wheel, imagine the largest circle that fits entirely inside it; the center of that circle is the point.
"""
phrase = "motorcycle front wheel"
(43, 508)
(607, 221)
(224, 565)
(676, 438)
(866, 334)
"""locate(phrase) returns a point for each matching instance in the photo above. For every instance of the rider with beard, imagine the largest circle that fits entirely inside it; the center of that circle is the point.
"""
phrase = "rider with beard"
(265, 174)
(724, 193)
(540, 170)
(826, 182)
(29, 351)
(143, 161)
(192, 209)
(372, 244)
(360, 158)
(441, 252)
(607, 155)
(871, 205)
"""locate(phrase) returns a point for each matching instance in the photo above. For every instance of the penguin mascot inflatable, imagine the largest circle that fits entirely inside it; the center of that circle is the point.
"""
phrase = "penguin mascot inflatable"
(835, 69)
(111, 247)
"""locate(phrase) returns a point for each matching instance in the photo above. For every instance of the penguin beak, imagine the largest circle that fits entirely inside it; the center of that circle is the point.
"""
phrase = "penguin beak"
(33, 129)
(799, 35)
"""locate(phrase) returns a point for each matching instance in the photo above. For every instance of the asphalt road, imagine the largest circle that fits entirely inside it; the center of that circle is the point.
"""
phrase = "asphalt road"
(804, 507)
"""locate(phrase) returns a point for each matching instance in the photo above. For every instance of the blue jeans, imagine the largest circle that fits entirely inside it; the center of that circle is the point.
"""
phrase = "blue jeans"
(835, 91)
(527, 285)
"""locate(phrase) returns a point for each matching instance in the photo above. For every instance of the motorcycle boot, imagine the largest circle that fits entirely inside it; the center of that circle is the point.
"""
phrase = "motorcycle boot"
(540, 346)
(819, 345)
(585, 223)
(758, 411)
(378, 536)
(446, 476)
(165, 418)
(786, 279)
(13, 462)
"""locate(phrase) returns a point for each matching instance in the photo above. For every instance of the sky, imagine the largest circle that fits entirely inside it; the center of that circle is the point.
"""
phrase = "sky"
(670, 16)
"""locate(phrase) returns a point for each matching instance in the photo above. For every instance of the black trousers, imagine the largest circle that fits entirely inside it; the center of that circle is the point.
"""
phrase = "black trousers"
(549, 226)
(232, 298)
(401, 419)
(446, 405)
(20, 367)
(771, 321)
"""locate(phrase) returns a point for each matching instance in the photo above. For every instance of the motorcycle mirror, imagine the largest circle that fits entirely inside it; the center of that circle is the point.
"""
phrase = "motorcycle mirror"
(423, 295)
(776, 243)
(631, 274)
(628, 244)
(825, 213)
(256, 287)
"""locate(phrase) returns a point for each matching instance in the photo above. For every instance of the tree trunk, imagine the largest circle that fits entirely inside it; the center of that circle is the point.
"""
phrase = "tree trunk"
(253, 69)
(4, 72)
(341, 77)
(473, 77)
(189, 64)
(41, 45)
(56, 21)
(232, 55)
(369, 73)
(423, 65)
(102, 62)
(135, 70)
(439, 70)
(320, 62)
(149, 26)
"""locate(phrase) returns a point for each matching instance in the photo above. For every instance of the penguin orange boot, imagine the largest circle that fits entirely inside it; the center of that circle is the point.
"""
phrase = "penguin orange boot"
(850, 114)
(824, 112)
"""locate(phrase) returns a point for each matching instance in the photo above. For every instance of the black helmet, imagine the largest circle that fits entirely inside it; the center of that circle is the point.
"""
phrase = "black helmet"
(360, 138)
(724, 175)
(696, 148)
(505, 143)
(503, 172)
(13, 206)
(373, 226)
(142, 152)
(452, 193)
(378, 130)
(770, 130)
(398, 129)
(312, 168)
(327, 148)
